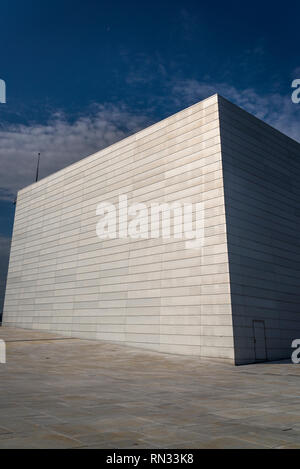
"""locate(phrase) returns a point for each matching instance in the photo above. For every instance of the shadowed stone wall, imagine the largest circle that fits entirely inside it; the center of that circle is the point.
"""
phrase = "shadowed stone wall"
(261, 170)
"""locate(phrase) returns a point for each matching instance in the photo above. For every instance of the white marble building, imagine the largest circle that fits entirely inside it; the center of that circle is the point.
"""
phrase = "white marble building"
(235, 299)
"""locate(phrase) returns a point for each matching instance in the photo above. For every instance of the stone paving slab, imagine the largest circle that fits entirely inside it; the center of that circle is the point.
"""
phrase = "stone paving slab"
(59, 392)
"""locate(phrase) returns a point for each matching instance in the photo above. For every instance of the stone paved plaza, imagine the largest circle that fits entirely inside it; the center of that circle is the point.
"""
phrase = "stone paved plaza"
(70, 393)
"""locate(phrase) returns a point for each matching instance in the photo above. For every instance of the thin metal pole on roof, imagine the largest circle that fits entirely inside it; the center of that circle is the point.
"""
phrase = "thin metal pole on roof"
(37, 168)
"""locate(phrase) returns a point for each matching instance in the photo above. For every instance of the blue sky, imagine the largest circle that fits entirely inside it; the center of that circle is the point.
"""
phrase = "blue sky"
(83, 74)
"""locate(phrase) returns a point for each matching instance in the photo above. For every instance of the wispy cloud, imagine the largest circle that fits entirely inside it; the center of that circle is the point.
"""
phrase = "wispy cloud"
(274, 108)
(61, 143)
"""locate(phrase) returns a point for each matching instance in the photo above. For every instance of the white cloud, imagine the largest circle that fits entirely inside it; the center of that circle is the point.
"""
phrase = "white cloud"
(60, 142)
